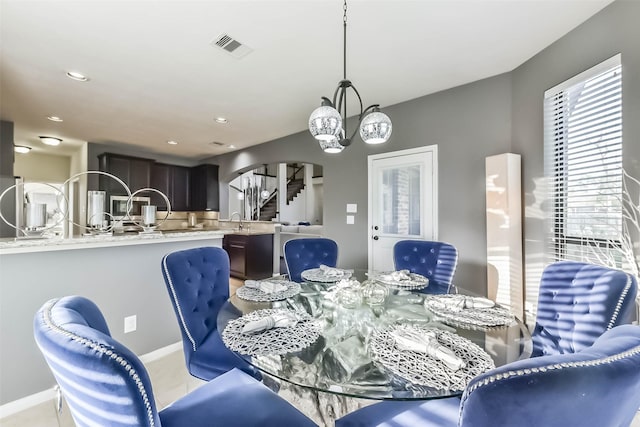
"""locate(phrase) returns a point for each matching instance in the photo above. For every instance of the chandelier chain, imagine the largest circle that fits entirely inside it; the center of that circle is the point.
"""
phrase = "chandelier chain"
(344, 17)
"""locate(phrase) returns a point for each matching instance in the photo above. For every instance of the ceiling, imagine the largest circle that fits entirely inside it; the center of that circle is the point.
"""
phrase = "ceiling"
(154, 75)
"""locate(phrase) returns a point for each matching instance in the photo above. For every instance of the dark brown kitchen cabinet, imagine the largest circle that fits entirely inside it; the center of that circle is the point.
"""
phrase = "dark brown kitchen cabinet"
(174, 182)
(250, 255)
(204, 188)
(187, 188)
(135, 172)
(160, 181)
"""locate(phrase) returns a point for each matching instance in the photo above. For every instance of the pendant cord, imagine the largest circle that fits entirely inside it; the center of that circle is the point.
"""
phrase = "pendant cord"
(344, 40)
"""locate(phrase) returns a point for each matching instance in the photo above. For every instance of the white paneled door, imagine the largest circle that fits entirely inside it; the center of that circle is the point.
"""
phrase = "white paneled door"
(403, 201)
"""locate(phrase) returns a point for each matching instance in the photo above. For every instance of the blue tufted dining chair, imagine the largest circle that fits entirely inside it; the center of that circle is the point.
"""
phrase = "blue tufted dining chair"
(198, 284)
(597, 386)
(578, 302)
(435, 260)
(106, 385)
(303, 254)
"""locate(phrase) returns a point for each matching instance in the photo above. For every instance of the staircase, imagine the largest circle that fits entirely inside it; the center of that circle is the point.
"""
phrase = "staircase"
(293, 188)
(269, 209)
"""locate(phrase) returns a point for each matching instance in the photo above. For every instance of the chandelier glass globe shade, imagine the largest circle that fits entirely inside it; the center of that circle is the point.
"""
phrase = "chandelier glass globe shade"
(325, 123)
(375, 128)
(331, 146)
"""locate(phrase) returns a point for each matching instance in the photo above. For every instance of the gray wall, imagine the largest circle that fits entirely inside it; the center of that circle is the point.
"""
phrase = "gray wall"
(95, 149)
(122, 280)
(7, 154)
(6, 148)
(496, 115)
(615, 29)
(467, 123)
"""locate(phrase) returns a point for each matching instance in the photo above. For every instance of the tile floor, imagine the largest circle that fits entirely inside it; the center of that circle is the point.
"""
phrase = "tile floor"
(168, 375)
(170, 381)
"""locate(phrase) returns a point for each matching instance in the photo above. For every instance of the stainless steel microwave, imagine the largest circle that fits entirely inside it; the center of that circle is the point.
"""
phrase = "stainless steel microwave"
(119, 207)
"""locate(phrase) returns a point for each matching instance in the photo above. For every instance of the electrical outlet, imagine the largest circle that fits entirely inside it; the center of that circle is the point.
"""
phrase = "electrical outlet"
(130, 323)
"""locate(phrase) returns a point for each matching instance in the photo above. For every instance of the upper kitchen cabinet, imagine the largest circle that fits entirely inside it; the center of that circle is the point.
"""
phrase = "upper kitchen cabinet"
(160, 181)
(175, 182)
(187, 188)
(204, 188)
(181, 188)
(133, 171)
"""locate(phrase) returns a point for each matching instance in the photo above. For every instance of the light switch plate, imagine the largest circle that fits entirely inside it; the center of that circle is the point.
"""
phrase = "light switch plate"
(352, 207)
(351, 219)
(130, 324)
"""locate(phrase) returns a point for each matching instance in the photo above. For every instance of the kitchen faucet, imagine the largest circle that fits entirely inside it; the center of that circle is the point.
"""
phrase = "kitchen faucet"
(239, 219)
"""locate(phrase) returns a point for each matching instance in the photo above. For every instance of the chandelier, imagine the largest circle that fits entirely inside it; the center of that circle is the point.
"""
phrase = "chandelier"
(328, 123)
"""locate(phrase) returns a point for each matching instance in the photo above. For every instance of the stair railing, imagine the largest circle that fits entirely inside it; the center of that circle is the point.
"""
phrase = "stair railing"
(274, 193)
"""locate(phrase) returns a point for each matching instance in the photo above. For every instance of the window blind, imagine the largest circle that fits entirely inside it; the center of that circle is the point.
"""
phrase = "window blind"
(583, 163)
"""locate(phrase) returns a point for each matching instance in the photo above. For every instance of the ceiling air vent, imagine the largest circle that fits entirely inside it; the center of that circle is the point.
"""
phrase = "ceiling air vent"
(231, 46)
(219, 144)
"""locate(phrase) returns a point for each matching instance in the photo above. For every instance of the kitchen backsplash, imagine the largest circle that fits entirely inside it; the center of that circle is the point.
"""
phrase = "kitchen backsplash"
(180, 220)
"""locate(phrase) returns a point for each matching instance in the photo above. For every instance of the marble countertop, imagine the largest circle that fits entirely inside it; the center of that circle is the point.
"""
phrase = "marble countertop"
(11, 245)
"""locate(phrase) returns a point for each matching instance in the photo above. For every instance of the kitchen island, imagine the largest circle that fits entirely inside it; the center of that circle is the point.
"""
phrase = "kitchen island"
(121, 274)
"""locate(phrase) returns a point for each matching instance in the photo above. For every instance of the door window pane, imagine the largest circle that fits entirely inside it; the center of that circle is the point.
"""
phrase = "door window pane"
(401, 201)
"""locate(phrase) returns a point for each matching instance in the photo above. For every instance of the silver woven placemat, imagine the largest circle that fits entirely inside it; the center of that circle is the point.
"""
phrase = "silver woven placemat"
(422, 369)
(273, 341)
(253, 294)
(318, 275)
(446, 308)
(417, 281)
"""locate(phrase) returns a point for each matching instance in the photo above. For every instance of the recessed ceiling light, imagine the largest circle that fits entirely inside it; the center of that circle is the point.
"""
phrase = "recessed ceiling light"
(21, 149)
(222, 120)
(232, 146)
(77, 76)
(172, 142)
(50, 140)
(54, 118)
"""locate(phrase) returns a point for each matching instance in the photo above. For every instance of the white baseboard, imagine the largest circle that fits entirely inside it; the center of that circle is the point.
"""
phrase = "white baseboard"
(161, 352)
(49, 395)
(26, 403)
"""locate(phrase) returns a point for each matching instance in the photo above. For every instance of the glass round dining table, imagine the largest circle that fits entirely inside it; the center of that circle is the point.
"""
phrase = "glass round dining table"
(340, 361)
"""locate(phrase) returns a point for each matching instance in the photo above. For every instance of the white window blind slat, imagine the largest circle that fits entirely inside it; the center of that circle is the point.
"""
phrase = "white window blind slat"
(583, 162)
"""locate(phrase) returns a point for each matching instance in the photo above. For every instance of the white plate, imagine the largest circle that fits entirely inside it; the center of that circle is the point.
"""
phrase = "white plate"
(425, 370)
(253, 294)
(272, 341)
(318, 275)
(447, 308)
(417, 281)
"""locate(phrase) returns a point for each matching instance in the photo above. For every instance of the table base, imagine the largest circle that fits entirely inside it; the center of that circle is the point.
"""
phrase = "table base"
(322, 407)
